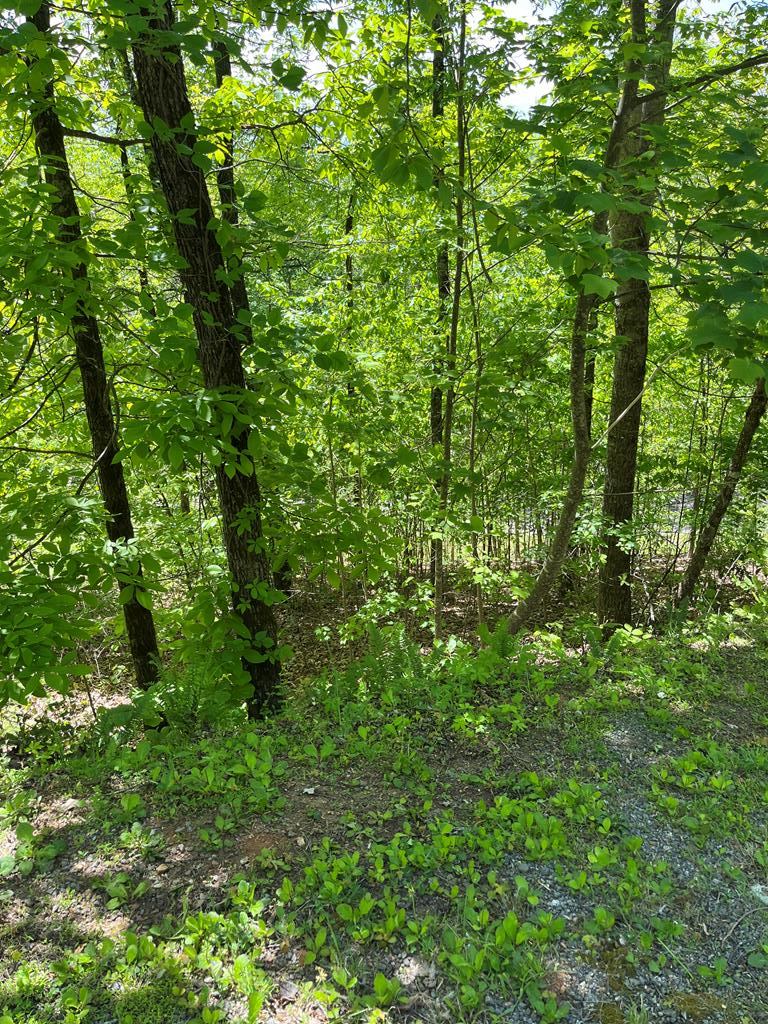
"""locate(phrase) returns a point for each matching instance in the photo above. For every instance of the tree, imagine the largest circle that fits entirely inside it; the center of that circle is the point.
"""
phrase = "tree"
(437, 413)
(582, 370)
(221, 327)
(708, 533)
(50, 145)
(630, 234)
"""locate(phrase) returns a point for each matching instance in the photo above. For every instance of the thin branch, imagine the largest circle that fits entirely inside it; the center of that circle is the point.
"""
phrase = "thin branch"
(110, 140)
(636, 399)
(45, 451)
(709, 78)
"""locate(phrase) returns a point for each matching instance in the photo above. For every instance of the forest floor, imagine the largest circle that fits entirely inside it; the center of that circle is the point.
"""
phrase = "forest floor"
(560, 830)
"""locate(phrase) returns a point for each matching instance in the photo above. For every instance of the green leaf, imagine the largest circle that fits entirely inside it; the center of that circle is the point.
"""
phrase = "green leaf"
(175, 455)
(24, 832)
(746, 369)
(594, 285)
(293, 77)
(423, 171)
(333, 578)
(254, 201)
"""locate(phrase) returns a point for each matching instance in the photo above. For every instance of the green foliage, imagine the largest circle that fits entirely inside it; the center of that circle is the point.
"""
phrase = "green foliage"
(334, 433)
(335, 239)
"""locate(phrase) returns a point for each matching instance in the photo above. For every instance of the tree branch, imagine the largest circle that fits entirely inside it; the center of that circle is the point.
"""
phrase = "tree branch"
(110, 140)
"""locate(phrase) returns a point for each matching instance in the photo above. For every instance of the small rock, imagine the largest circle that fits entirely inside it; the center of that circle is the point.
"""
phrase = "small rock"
(301, 841)
(289, 991)
(162, 869)
(760, 892)
(309, 790)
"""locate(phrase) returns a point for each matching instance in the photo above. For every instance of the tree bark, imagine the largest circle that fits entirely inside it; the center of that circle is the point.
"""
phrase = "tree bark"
(453, 332)
(349, 288)
(708, 533)
(589, 374)
(630, 234)
(581, 378)
(443, 276)
(50, 145)
(475, 534)
(165, 102)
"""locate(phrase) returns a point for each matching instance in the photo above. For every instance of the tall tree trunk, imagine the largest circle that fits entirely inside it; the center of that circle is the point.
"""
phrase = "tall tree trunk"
(632, 311)
(630, 233)
(476, 532)
(708, 533)
(581, 377)
(702, 397)
(349, 288)
(165, 102)
(589, 374)
(443, 275)
(453, 333)
(49, 142)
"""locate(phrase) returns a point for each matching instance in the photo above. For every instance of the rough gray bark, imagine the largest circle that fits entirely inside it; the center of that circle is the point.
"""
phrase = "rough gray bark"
(161, 82)
(708, 533)
(50, 145)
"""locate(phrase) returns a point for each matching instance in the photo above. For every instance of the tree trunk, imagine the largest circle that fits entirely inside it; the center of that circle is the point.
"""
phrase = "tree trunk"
(443, 275)
(589, 374)
(475, 533)
(558, 549)
(708, 533)
(349, 287)
(165, 103)
(581, 377)
(453, 333)
(630, 234)
(49, 142)
(632, 311)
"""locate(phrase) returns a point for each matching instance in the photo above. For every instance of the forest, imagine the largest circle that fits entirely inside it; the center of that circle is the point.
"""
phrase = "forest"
(384, 546)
